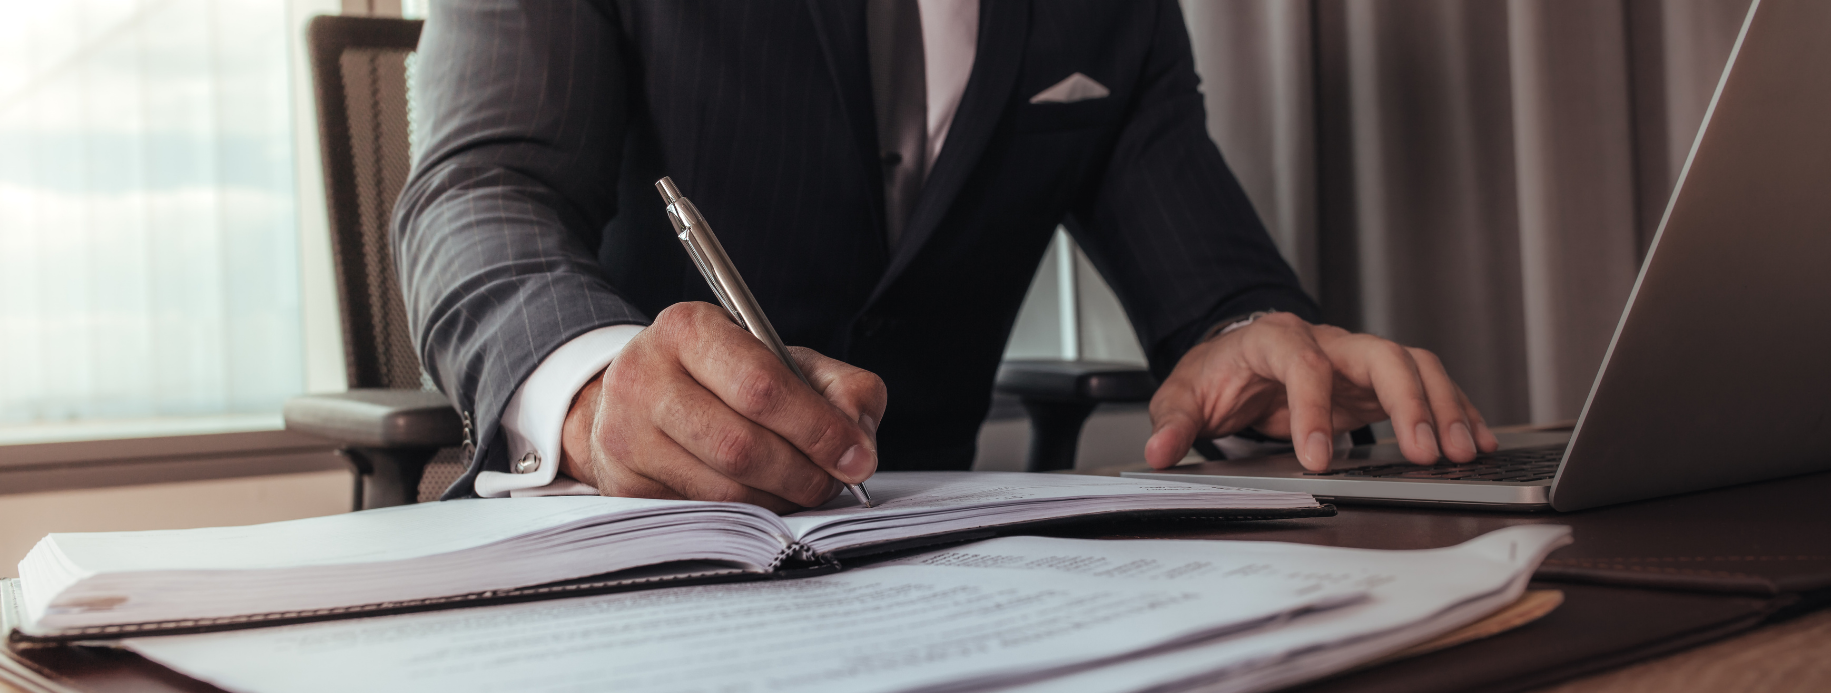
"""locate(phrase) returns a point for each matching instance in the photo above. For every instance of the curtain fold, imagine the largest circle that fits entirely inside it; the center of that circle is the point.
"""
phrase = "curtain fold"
(1573, 156)
(1476, 177)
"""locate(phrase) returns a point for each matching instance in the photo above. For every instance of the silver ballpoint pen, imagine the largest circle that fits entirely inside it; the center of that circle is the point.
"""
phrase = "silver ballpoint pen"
(696, 236)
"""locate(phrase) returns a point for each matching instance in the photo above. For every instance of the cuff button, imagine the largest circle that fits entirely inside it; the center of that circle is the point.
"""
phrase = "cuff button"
(528, 463)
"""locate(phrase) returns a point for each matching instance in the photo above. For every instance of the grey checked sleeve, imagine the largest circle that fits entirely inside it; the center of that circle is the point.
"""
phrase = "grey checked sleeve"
(522, 107)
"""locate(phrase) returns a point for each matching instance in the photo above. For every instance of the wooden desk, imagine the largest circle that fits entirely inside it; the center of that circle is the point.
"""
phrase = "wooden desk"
(1789, 657)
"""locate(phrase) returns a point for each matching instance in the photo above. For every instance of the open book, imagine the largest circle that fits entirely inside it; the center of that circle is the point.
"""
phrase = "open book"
(115, 584)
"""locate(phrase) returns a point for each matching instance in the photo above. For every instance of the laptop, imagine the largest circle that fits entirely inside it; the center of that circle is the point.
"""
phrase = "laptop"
(1719, 372)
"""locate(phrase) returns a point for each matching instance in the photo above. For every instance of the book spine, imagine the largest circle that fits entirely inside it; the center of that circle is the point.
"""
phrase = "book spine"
(794, 551)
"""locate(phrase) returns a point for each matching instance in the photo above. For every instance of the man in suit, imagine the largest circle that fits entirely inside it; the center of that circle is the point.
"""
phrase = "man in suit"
(887, 175)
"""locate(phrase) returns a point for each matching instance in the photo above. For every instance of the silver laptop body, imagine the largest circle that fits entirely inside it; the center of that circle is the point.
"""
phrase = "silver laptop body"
(1719, 372)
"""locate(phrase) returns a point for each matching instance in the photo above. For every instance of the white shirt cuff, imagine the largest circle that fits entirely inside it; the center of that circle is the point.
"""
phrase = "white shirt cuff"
(533, 420)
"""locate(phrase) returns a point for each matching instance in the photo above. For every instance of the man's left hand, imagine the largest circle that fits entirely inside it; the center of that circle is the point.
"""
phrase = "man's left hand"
(1287, 378)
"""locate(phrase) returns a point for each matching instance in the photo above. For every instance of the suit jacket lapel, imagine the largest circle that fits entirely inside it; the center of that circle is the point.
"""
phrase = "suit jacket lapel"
(1004, 26)
(841, 27)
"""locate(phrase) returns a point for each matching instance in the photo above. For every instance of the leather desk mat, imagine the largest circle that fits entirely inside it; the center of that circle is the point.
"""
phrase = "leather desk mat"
(1664, 575)
(1596, 628)
(1768, 538)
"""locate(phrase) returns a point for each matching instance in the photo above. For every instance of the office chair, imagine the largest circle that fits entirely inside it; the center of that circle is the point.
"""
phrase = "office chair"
(1060, 395)
(391, 422)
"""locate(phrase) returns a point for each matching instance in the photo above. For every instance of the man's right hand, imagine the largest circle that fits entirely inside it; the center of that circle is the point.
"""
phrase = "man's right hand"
(697, 408)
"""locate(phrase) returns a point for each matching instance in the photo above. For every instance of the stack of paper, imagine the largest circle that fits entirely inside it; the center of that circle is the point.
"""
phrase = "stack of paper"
(1006, 614)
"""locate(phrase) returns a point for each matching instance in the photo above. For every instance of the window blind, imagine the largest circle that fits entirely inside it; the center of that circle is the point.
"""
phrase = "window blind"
(148, 232)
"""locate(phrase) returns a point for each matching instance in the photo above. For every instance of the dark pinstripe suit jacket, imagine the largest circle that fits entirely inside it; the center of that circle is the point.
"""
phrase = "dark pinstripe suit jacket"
(531, 218)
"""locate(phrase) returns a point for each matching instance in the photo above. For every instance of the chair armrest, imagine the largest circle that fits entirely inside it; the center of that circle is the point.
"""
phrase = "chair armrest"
(1075, 381)
(378, 418)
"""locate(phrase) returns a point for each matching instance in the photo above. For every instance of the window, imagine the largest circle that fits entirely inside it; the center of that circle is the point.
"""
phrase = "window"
(149, 240)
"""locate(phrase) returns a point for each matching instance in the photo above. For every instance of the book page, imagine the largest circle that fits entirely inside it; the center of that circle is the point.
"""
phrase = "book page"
(370, 557)
(886, 629)
(914, 491)
(384, 534)
(934, 502)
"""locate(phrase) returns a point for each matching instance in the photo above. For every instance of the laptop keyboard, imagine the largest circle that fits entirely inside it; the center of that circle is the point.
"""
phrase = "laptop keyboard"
(1524, 464)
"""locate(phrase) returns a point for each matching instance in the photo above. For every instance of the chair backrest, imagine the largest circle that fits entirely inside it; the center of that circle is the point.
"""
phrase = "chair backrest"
(359, 74)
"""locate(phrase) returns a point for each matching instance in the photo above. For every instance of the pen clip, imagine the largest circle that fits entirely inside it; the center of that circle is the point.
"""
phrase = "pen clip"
(681, 213)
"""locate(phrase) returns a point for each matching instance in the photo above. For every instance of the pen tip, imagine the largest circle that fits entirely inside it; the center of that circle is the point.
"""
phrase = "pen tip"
(858, 491)
(668, 191)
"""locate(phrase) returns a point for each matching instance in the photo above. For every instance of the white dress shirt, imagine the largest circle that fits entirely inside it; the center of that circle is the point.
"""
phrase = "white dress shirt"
(532, 421)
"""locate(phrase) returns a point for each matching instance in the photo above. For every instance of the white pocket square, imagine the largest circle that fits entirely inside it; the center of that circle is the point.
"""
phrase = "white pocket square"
(1077, 87)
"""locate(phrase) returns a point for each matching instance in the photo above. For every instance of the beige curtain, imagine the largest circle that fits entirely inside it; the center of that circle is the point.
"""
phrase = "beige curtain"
(1477, 177)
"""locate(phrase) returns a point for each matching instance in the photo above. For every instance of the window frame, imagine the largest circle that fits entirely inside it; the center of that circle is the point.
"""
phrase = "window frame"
(30, 467)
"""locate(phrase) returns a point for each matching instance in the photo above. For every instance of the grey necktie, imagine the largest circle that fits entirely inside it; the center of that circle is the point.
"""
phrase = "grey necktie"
(899, 89)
